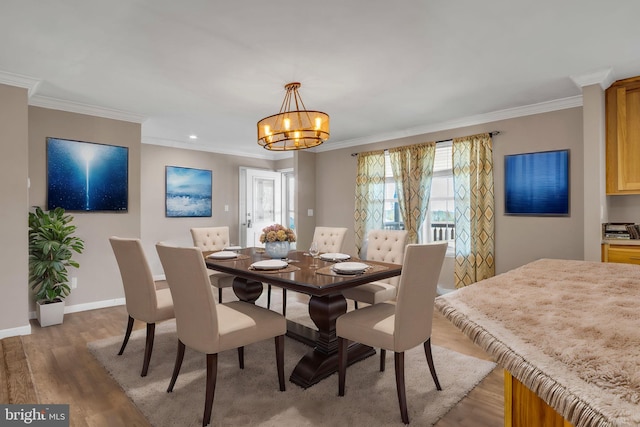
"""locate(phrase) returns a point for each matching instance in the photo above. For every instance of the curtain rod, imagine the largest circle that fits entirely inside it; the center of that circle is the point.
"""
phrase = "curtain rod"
(492, 133)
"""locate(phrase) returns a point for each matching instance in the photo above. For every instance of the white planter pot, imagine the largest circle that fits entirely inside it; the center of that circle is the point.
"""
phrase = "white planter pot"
(50, 314)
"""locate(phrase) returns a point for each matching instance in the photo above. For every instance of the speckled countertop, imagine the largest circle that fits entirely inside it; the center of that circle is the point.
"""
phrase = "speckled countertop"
(630, 242)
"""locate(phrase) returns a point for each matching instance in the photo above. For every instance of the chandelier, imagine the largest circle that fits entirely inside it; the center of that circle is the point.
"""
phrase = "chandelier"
(293, 129)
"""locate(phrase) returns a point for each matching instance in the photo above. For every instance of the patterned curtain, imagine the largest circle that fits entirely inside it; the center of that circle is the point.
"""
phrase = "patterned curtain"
(412, 168)
(369, 194)
(474, 209)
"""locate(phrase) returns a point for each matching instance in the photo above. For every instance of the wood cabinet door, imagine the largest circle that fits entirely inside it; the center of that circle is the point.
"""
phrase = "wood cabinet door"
(623, 137)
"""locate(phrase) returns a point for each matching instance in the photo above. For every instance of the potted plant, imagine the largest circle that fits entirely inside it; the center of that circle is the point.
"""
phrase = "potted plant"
(51, 247)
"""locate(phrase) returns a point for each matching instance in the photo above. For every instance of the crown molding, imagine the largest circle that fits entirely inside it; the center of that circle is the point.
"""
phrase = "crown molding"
(80, 108)
(18, 80)
(511, 113)
(603, 77)
(211, 149)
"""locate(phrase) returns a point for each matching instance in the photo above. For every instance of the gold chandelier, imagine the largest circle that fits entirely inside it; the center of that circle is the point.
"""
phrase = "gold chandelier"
(293, 129)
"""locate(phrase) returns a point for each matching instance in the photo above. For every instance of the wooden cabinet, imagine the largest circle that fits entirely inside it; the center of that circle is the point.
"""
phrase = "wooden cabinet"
(627, 254)
(623, 136)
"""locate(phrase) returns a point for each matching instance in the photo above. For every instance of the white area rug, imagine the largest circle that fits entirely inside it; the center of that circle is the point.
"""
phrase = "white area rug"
(250, 397)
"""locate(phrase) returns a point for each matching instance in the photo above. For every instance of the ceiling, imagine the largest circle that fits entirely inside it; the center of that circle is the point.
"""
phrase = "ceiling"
(380, 69)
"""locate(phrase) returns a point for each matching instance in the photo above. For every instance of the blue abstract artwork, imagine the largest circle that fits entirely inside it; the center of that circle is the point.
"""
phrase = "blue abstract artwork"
(86, 176)
(188, 192)
(537, 183)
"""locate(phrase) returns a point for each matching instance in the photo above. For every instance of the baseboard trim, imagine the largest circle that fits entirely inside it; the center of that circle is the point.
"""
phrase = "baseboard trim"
(12, 332)
(88, 306)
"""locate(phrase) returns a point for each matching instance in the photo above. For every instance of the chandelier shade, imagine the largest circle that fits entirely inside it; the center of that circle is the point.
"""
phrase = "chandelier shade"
(294, 127)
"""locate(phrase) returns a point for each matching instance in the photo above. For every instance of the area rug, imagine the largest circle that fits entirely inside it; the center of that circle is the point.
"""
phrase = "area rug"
(250, 397)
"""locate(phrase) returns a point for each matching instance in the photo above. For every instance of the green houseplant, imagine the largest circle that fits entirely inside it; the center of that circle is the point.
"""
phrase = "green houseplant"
(51, 247)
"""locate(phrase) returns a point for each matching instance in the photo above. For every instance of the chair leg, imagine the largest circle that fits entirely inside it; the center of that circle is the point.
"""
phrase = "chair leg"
(176, 366)
(284, 302)
(280, 360)
(220, 295)
(342, 364)
(383, 355)
(400, 387)
(212, 372)
(126, 335)
(148, 348)
(268, 296)
(241, 357)
(432, 368)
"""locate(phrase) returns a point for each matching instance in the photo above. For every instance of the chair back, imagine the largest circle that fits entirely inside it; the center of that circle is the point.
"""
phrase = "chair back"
(416, 293)
(193, 303)
(210, 238)
(329, 239)
(137, 280)
(387, 246)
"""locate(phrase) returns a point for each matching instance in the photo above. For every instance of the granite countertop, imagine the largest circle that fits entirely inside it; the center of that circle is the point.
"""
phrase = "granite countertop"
(630, 242)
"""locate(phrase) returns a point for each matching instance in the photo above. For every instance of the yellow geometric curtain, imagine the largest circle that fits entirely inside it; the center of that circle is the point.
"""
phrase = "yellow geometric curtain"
(369, 195)
(412, 168)
(474, 209)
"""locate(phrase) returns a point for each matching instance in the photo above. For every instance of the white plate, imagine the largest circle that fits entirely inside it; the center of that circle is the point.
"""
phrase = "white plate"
(223, 255)
(233, 248)
(334, 256)
(269, 264)
(350, 267)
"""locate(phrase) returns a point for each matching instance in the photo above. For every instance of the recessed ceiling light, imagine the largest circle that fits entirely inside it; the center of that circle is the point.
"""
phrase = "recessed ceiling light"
(193, 136)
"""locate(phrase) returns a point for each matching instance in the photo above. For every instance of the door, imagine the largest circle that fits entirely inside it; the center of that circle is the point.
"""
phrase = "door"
(261, 195)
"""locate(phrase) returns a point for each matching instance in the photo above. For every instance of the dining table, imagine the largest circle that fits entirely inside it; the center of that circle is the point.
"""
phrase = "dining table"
(317, 278)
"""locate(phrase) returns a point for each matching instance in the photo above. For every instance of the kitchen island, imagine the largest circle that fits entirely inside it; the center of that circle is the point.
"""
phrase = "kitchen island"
(567, 334)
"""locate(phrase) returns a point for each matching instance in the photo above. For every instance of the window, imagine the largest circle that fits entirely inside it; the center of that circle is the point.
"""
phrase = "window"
(439, 224)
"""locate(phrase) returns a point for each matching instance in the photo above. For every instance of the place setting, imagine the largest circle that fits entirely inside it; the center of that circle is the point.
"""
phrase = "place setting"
(273, 266)
(229, 253)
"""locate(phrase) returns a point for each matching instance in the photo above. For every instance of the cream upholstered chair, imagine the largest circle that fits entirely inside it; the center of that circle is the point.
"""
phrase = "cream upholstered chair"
(329, 239)
(213, 239)
(401, 326)
(385, 246)
(144, 302)
(211, 328)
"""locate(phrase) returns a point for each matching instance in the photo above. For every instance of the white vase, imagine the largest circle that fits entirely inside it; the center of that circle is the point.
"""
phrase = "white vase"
(277, 250)
(50, 314)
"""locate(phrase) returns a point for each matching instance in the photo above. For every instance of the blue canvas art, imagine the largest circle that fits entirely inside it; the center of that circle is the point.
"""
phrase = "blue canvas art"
(537, 183)
(85, 176)
(188, 192)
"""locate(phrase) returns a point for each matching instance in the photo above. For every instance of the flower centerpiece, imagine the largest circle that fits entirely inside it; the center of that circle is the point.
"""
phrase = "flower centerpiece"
(276, 239)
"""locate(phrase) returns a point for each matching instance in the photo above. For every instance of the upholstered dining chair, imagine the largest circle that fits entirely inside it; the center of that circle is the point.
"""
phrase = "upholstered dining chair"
(329, 239)
(401, 326)
(385, 246)
(143, 300)
(213, 239)
(211, 328)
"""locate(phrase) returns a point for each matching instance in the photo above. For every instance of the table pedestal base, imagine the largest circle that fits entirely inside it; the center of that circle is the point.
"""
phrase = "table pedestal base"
(315, 366)
(321, 361)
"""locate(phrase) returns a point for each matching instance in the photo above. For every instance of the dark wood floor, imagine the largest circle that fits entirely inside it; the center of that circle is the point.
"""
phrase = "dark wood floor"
(65, 372)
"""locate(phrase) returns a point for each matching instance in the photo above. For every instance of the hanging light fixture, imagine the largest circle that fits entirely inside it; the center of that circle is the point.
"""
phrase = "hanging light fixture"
(293, 129)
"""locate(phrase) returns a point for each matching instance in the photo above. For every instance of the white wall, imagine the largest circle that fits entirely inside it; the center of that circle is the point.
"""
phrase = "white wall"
(14, 209)
(519, 240)
(98, 277)
(225, 176)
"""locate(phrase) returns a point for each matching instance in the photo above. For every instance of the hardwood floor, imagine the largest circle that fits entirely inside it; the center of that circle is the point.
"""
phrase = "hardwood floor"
(65, 372)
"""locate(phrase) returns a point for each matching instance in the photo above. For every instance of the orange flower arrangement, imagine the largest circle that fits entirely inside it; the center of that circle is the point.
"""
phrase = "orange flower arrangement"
(277, 233)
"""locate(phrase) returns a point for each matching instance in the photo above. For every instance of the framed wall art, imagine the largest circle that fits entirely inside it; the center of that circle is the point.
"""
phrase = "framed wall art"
(537, 184)
(87, 176)
(188, 192)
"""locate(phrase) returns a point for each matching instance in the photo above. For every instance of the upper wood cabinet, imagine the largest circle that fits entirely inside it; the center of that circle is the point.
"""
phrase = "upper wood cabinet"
(623, 136)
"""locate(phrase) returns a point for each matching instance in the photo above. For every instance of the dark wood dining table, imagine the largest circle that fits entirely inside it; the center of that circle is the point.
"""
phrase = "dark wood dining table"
(313, 277)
